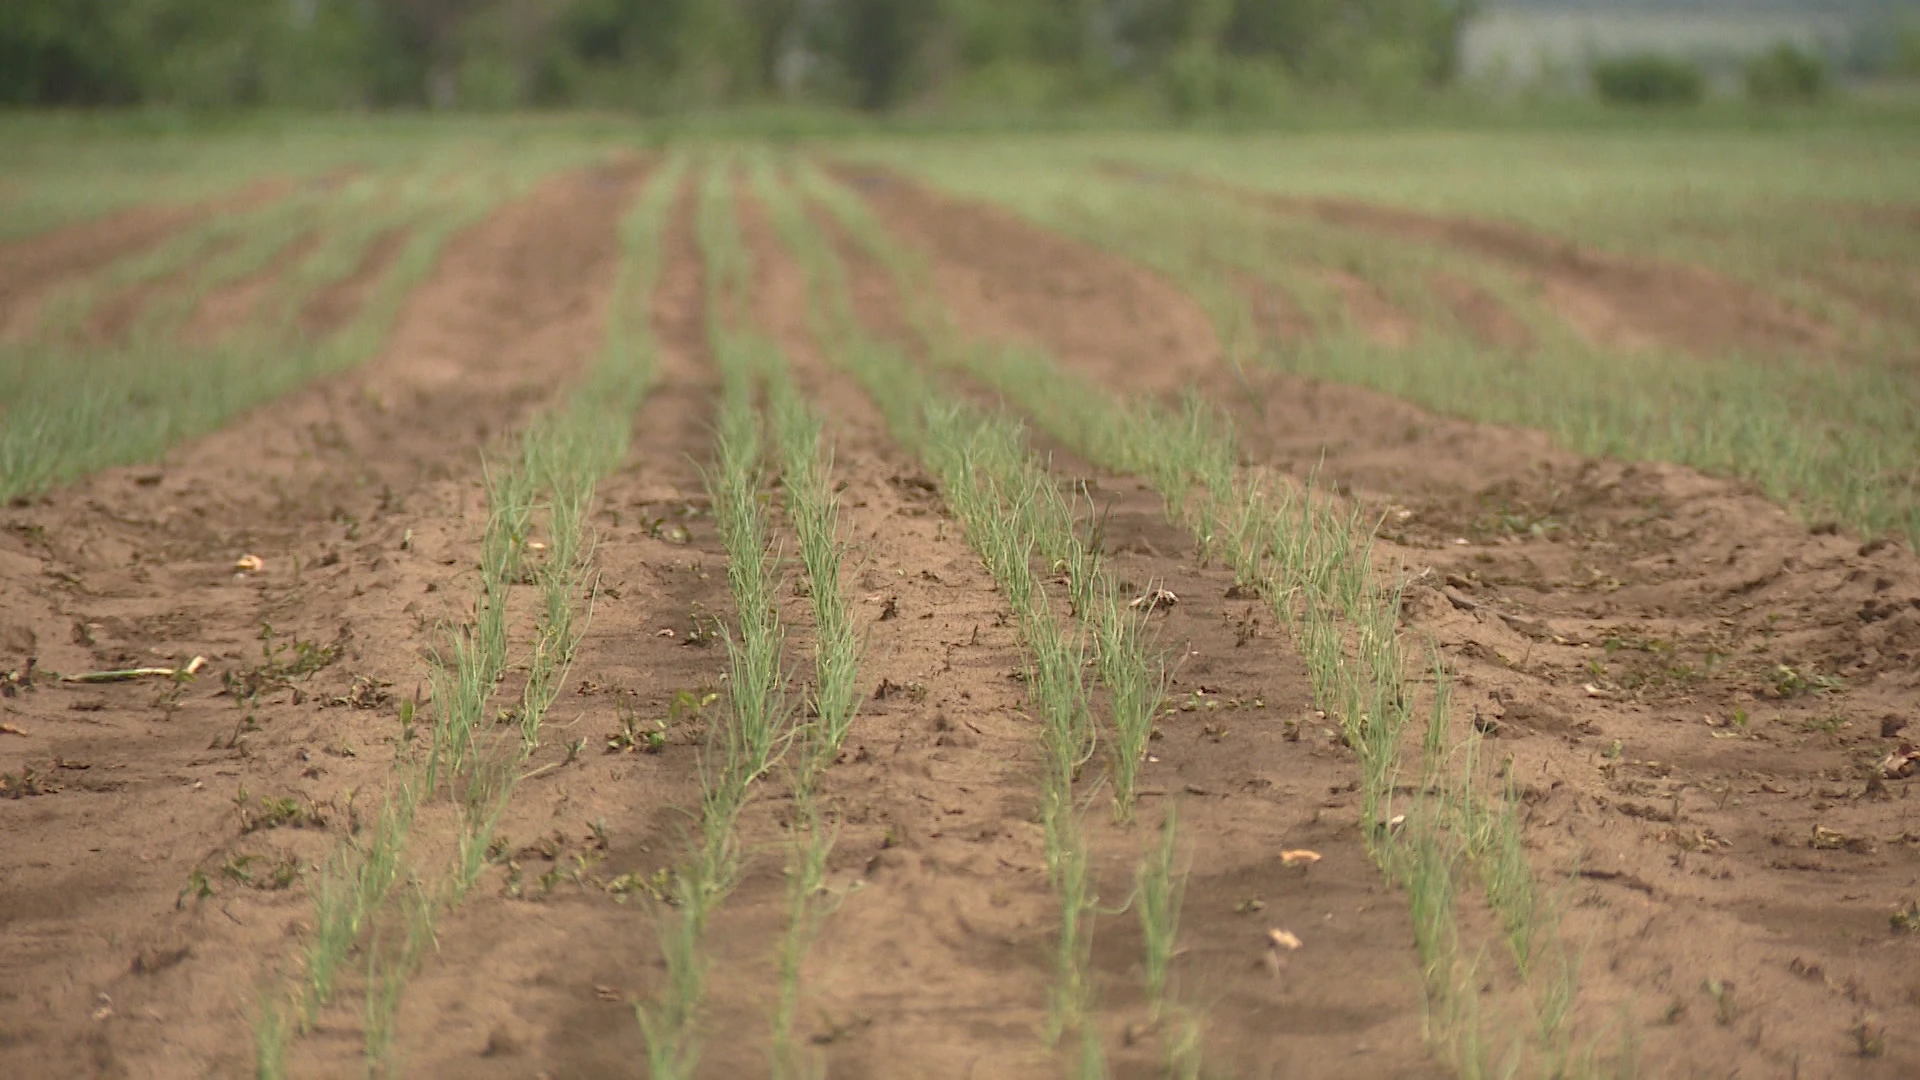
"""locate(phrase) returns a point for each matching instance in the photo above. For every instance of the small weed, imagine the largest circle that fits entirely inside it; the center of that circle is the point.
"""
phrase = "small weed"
(279, 874)
(27, 783)
(658, 886)
(197, 888)
(274, 813)
(631, 737)
(1907, 919)
(281, 664)
(1788, 682)
(1869, 1037)
(1725, 1009)
(1831, 724)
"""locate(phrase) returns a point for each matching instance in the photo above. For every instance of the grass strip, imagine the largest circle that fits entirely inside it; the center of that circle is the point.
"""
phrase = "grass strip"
(748, 742)
(1011, 514)
(806, 464)
(562, 455)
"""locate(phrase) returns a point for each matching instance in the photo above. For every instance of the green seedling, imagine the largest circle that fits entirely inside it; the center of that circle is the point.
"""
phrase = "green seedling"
(1907, 919)
(1158, 890)
(197, 888)
(545, 489)
(1788, 682)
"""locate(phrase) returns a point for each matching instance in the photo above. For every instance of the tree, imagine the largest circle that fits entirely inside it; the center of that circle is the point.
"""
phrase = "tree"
(877, 45)
(64, 52)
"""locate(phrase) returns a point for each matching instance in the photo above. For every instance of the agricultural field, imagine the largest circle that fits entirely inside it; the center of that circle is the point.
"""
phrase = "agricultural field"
(541, 599)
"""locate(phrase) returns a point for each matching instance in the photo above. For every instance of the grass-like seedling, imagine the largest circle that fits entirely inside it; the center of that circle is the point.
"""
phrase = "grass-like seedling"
(1159, 887)
(561, 455)
(1014, 518)
(813, 510)
(758, 727)
(804, 461)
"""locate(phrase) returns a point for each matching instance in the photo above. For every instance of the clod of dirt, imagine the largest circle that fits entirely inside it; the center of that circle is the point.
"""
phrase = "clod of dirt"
(501, 1043)
(154, 959)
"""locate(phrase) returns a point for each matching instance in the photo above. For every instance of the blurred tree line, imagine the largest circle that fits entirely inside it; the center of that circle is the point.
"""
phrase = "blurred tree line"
(657, 55)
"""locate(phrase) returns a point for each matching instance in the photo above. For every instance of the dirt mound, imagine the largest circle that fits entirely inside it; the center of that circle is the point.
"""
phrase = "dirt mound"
(31, 270)
(1003, 277)
(1483, 315)
(1370, 312)
(1697, 695)
(156, 828)
(1612, 300)
(334, 305)
(231, 305)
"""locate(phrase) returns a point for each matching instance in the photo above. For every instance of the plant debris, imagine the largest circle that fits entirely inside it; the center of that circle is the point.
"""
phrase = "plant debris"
(128, 674)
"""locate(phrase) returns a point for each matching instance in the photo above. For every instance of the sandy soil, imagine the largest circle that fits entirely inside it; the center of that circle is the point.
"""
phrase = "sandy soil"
(361, 496)
(1643, 642)
(1611, 300)
(331, 306)
(1650, 649)
(33, 270)
(229, 306)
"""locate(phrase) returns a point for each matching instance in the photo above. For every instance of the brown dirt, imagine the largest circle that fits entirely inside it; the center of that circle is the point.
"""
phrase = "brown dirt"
(1612, 300)
(992, 259)
(1275, 317)
(563, 957)
(1645, 644)
(230, 306)
(1254, 767)
(113, 318)
(361, 494)
(1370, 312)
(1725, 819)
(1483, 316)
(935, 960)
(1717, 818)
(335, 305)
(33, 269)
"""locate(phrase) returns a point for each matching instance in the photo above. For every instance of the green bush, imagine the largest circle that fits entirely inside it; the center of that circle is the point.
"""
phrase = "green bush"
(1198, 81)
(1907, 49)
(1786, 73)
(1648, 79)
